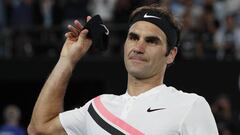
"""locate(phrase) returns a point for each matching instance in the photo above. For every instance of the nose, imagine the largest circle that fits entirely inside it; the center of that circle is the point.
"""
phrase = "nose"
(140, 47)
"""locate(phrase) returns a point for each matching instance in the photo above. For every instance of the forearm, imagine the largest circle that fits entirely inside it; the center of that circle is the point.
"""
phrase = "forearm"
(49, 104)
(50, 101)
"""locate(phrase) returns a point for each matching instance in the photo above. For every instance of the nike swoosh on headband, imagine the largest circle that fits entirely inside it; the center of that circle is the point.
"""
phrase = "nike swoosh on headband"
(150, 16)
(107, 31)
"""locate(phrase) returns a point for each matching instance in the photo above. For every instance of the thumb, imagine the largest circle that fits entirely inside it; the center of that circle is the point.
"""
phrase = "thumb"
(82, 36)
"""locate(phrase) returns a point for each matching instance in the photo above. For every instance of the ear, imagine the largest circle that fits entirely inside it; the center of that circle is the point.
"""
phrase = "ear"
(171, 56)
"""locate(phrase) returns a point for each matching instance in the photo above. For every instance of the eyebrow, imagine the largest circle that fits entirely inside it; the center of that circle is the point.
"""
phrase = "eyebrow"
(132, 34)
(154, 39)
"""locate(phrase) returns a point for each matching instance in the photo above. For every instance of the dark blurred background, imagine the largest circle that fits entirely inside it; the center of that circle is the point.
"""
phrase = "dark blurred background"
(32, 34)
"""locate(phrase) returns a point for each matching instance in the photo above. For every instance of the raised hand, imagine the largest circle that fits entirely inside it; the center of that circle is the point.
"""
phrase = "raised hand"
(77, 43)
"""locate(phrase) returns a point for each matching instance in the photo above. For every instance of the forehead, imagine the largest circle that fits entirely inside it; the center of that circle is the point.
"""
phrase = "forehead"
(147, 29)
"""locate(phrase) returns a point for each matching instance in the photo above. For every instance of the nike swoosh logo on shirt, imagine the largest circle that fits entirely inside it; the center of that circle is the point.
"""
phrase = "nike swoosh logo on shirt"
(152, 110)
(150, 16)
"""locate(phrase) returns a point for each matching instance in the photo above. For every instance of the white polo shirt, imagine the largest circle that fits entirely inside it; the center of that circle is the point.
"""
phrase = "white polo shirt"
(160, 111)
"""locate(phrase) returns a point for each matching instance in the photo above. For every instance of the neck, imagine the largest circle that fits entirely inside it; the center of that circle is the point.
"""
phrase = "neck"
(137, 86)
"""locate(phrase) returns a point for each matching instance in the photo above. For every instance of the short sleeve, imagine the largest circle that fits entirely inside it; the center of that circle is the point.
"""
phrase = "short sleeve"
(73, 121)
(199, 120)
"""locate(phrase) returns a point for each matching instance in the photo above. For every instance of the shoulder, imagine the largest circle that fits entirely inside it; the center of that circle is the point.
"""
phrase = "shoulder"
(108, 98)
(183, 98)
(181, 94)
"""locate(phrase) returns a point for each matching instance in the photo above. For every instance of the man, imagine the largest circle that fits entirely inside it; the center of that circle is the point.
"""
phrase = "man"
(11, 126)
(148, 107)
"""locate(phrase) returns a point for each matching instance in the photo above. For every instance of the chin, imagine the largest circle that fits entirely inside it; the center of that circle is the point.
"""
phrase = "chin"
(137, 71)
(138, 74)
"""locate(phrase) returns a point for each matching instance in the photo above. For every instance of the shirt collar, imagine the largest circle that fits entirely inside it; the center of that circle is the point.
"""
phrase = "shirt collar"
(152, 91)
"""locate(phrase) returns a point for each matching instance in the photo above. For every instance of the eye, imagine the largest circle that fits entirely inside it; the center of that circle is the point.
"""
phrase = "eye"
(151, 41)
(133, 36)
(154, 41)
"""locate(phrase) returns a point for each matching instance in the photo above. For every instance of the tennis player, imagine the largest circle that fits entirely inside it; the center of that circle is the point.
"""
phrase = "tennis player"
(148, 106)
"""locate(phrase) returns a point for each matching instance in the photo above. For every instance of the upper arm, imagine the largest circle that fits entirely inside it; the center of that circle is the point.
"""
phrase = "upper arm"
(53, 127)
(199, 120)
(74, 121)
(57, 127)
(70, 122)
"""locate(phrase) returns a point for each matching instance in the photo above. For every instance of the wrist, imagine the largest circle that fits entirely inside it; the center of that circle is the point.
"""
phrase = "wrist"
(66, 62)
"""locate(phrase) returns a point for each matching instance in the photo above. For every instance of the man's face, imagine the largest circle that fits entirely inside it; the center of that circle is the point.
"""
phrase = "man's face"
(145, 50)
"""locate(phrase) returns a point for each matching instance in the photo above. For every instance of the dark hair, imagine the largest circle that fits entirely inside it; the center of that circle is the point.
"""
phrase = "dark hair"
(166, 14)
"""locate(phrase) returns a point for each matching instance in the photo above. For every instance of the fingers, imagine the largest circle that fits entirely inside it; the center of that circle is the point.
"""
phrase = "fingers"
(78, 25)
(70, 36)
(89, 18)
(83, 35)
(74, 30)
